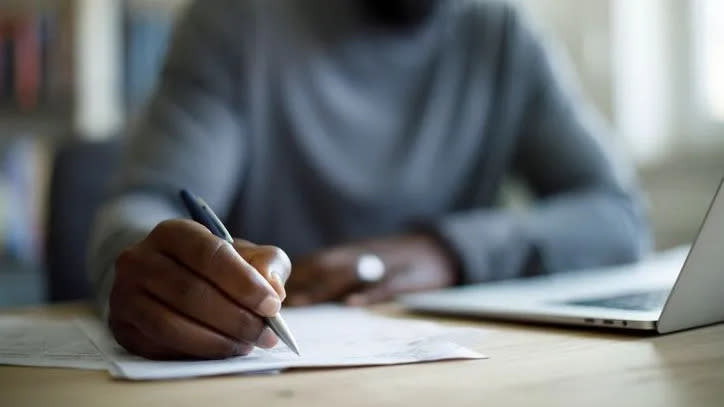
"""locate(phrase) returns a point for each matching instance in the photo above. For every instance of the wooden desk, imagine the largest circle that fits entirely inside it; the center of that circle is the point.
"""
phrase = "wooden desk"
(529, 366)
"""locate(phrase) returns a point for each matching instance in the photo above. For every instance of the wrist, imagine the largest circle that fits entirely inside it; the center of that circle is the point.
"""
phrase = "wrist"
(444, 258)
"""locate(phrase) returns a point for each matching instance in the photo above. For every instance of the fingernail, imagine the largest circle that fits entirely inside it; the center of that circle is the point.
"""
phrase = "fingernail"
(267, 339)
(280, 282)
(269, 306)
(277, 277)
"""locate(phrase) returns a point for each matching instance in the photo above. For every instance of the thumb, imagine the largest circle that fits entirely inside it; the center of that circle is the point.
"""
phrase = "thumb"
(270, 261)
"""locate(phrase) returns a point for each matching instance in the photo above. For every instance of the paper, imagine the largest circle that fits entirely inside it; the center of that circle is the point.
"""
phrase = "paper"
(50, 343)
(327, 336)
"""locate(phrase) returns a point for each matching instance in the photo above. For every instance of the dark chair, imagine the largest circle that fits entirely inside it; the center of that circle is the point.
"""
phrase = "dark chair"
(80, 173)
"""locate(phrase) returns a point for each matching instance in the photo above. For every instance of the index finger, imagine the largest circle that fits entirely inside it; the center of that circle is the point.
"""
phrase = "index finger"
(215, 260)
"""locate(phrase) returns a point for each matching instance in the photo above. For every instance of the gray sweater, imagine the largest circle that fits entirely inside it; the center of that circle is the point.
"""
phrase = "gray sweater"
(304, 125)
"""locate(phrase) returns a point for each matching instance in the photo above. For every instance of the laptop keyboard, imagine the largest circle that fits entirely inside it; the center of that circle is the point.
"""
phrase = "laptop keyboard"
(640, 301)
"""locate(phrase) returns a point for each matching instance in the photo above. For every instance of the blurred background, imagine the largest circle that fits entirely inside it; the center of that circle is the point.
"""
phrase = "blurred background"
(75, 73)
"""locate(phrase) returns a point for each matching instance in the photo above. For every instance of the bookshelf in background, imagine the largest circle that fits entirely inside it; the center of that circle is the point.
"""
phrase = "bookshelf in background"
(37, 55)
(36, 69)
(38, 94)
(36, 85)
(23, 180)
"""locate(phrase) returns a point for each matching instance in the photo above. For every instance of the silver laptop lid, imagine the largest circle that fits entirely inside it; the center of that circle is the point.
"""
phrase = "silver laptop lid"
(697, 297)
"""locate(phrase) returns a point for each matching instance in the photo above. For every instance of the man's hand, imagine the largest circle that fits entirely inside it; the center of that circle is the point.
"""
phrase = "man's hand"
(412, 263)
(184, 293)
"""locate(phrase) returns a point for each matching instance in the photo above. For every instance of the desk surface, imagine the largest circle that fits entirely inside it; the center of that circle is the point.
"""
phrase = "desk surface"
(529, 365)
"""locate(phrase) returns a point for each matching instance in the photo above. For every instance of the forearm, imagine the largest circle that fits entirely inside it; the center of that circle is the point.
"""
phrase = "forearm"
(586, 212)
(570, 231)
(189, 137)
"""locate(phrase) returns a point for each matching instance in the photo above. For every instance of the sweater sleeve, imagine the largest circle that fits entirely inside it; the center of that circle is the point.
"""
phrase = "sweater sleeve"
(189, 137)
(586, 212)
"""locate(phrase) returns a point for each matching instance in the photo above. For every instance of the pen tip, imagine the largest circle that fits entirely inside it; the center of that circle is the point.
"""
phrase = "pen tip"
(291, 344)
(280, 328)
(294, 348)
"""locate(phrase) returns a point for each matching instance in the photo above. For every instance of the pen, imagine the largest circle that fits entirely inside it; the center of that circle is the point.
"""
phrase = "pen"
(201, 213)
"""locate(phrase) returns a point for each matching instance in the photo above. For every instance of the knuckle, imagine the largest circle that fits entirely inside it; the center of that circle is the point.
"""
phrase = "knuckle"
(162, 229)
(133, 269)
(208, 249)
(277, 254)
(278, 258)
(154, 326)
(127, 260)
(194, 292)
(184, 287)
(167, 229)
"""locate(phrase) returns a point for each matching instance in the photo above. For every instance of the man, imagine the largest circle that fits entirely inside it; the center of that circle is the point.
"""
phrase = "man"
(342, 130)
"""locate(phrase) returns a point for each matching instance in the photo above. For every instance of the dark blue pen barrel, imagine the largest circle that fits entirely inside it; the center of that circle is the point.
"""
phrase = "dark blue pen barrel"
(198, 214)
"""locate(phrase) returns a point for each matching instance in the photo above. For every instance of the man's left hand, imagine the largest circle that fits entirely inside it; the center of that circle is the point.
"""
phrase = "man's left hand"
(411, 262)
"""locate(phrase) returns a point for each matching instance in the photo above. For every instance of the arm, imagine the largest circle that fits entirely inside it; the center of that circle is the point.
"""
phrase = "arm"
(587, 212)
(169, 287)
(189, 135)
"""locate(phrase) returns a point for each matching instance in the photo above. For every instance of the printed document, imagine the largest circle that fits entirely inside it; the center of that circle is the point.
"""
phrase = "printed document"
(32, 341)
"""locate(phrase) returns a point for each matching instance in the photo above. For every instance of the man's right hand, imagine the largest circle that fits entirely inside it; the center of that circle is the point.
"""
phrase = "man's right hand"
(184, 293)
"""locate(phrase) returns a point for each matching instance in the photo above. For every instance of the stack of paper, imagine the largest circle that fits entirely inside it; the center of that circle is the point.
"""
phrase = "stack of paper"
(40, 342)
(327, 335)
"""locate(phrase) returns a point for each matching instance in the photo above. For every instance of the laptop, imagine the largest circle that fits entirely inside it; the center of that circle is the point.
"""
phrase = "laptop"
(673, 290)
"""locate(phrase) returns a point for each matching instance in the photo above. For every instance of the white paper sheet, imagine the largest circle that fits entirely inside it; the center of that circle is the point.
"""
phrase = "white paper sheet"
(327, 336)
(50, 343)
